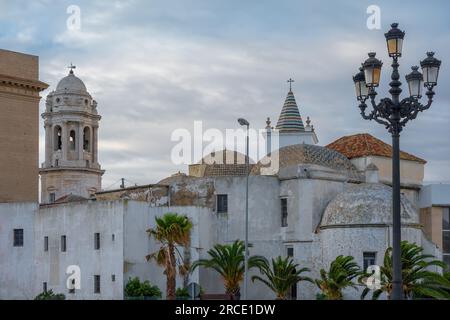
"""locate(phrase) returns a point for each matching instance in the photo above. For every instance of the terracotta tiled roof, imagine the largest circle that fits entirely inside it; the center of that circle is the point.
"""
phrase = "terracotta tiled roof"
(364, 144)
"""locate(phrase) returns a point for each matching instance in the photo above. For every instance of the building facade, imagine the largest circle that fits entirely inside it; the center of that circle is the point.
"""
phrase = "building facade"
(19, 126)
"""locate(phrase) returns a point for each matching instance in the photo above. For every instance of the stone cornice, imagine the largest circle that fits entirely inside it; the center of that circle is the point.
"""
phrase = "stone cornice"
(58, 169)
(74, 112)
(25, 83)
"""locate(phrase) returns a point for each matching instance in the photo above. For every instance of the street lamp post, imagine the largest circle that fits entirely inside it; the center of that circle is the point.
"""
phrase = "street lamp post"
(244, 122)
(394, 113)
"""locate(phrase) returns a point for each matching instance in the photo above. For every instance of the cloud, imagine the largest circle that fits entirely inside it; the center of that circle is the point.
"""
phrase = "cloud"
(157, 66)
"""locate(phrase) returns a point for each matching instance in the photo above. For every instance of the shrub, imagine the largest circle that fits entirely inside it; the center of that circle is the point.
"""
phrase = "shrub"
(135, 288)
(49, 295)
(182, 293)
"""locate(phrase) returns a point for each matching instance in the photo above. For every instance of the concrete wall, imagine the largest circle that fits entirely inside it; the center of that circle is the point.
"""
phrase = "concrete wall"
(139, 217)
(435, 195)
(19, 126)
(79, 222)
(16, 263)
(411, 174)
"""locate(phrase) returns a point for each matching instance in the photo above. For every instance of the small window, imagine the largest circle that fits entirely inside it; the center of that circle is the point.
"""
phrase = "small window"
(290, 252)
(113, 277)
(72, 289)
(113, 237)
(369, 259)
(45, 243)
(44, 286)
(97, 283)
(52, 196)
(63, 244)
(97, 241)
(284, 212)
(222, 203)
(18, 237)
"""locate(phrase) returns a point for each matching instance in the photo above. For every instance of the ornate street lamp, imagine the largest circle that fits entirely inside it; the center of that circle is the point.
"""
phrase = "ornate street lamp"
(394, 113)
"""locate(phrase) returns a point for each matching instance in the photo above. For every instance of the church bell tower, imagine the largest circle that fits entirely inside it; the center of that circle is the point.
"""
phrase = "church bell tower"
(71, 150)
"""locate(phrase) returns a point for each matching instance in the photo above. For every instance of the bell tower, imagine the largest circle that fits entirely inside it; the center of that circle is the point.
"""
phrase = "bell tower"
(71, 150)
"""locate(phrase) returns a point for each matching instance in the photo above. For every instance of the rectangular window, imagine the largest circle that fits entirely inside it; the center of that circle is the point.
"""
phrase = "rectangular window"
(446, 219)
(284, 212)
(222, 203)
(446, 236)
(63, 244)
(369, 259)
(52, 197)
(97, 283)
(72, 288)
(293, 290)
(290, 251)
(44, 287)
(18, 237)
(97, 241)
(45, 243)
(446, 242)
(113, 277)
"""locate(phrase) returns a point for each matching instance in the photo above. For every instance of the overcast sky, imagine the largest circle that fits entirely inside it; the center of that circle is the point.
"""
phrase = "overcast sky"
(156, 66)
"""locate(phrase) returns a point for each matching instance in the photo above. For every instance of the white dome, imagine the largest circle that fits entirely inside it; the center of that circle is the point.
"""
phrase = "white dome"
(71, 83)
(366, 204)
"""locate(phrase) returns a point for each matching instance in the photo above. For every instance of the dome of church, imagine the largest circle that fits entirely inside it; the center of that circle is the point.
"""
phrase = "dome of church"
(307, 154)
(71, 83)
(366, 204)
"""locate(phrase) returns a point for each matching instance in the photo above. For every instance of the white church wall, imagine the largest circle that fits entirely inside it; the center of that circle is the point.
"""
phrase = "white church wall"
(16, 263)
(354, 241)
(79, 222)
(264, 225)
(307, 200)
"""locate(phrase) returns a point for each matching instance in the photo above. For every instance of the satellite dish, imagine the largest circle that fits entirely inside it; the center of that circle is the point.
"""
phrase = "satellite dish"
(193, 289)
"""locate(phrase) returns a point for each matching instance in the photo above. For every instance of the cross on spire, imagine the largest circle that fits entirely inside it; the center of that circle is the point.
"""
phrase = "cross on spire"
(71, 67)
(290, 84)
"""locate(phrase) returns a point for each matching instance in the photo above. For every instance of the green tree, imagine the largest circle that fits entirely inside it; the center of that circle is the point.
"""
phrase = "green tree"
(171, 230)
(228, 261)
(340, 276)
(418, 281)
(280, 275)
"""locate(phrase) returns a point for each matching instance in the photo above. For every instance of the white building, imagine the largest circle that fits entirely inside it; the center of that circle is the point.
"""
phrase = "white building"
(320, 203)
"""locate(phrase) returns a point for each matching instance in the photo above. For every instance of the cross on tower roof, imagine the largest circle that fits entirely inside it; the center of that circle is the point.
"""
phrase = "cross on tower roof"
(290, 83)
(71, 67)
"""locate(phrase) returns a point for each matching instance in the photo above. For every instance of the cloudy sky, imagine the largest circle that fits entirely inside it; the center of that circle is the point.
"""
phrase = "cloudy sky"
(156, 66)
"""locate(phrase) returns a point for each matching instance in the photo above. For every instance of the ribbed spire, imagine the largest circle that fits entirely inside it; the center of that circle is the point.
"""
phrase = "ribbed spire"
(290, 119)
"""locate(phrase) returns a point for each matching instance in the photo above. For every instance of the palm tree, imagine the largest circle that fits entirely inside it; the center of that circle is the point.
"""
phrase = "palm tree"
(340, 276)
(418, 282)
(228, 261)
(171, 230)
(281, 275)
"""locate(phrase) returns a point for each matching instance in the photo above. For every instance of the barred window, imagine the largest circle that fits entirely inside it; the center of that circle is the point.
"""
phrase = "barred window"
(222, 203)
(18, 237)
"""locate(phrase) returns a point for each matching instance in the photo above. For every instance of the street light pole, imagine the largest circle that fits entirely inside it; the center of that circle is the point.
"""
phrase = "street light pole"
(394, 113)
(244, 122)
